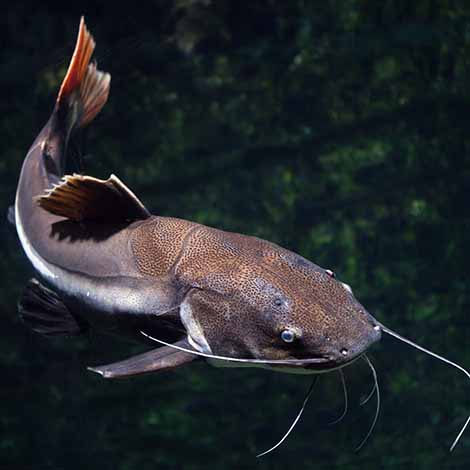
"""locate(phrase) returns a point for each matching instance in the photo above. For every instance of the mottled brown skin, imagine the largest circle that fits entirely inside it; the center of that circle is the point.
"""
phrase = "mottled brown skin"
(245, 291)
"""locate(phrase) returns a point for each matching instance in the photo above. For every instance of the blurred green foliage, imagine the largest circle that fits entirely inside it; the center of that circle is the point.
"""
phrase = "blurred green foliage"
(338, 129)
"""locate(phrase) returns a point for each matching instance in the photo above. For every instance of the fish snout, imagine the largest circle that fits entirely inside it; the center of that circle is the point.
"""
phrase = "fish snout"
(369, 333)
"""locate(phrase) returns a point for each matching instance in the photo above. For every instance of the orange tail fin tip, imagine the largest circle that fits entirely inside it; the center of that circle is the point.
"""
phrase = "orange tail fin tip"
(91, 84)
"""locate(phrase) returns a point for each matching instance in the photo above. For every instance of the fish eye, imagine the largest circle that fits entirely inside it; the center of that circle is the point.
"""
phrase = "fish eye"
(287, 336)
(330, 273)
(278, 301)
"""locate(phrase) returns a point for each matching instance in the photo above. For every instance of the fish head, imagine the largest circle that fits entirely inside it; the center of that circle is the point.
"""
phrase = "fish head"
(274, 305)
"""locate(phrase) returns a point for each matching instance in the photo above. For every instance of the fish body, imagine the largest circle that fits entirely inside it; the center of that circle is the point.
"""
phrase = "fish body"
(112, 265)
(105, 262)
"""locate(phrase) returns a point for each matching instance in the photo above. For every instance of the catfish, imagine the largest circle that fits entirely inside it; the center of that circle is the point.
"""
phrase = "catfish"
(103, 261)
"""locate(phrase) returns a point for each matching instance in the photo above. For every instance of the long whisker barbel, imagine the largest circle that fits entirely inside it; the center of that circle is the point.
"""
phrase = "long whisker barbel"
(369, 396)
(213, 356)
(292, 426)
(345, 394)
(320, 360)
(298, 362)
(377, 408)
(443, 359)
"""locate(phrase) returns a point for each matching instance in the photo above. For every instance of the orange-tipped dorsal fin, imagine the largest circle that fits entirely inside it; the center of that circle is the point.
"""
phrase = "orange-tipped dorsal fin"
(84, 198)
(84, 84)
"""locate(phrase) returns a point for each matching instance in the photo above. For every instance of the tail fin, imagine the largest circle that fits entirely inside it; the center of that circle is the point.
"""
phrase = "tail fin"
(85, 89)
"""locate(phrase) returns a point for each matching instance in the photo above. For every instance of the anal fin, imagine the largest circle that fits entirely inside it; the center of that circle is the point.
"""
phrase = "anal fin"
(44, 312)
(159, 359)
(84, 198)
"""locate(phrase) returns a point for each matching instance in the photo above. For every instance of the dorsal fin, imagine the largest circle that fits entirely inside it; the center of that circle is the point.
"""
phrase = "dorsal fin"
(83, 198)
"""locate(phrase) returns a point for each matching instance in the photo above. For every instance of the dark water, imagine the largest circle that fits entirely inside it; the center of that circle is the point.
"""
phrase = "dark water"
(340, 131)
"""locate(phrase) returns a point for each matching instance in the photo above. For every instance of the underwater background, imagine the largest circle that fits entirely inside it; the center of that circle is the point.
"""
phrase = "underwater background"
(338, 129)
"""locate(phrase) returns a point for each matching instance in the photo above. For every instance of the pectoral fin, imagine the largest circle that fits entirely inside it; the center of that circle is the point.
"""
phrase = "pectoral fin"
(155, 360)
(83, 198)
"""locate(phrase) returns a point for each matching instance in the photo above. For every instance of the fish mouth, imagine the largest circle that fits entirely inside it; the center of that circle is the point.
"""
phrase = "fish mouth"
(318, 364)
(331, 364)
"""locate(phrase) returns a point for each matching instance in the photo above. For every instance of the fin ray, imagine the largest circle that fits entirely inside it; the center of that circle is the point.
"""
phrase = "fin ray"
(84, 84)
(44, 312)
(83, 198)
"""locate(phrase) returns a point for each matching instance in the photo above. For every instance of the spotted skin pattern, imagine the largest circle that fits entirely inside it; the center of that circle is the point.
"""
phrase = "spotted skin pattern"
(243, 292)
